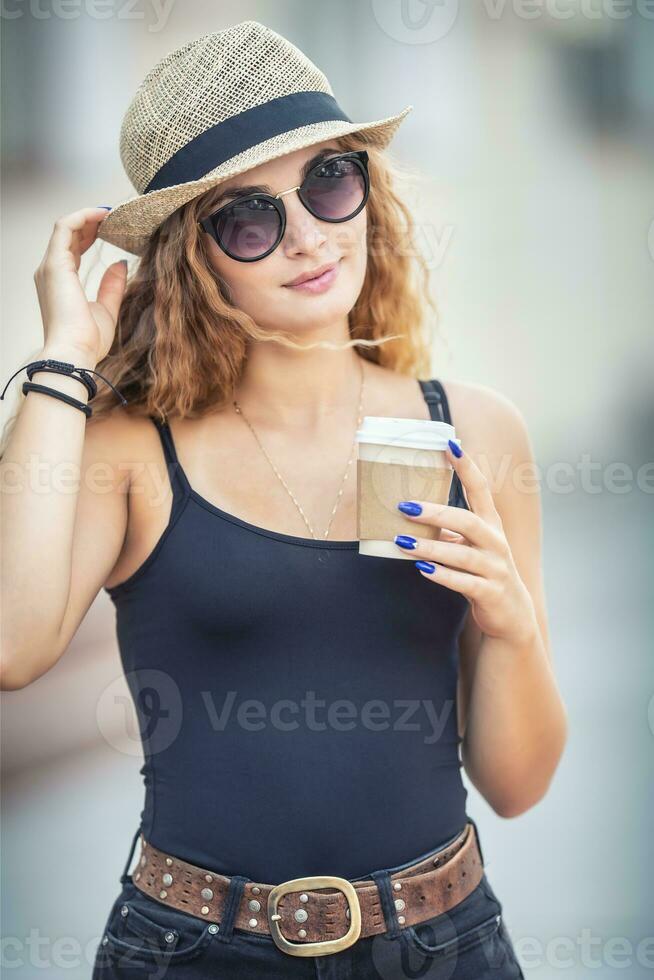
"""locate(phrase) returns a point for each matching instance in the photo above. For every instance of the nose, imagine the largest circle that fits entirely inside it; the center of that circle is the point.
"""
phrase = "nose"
(304, 232)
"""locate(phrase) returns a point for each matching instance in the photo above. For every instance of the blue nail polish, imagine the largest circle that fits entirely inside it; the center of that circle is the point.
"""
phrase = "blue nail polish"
(107, 206)
(426, 566)
(456, 449)
(405, 541)
(409, 507)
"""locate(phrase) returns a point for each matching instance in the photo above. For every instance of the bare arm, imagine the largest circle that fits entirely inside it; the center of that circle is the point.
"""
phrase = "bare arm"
(60, 538)
(511, 715)
(60, 535)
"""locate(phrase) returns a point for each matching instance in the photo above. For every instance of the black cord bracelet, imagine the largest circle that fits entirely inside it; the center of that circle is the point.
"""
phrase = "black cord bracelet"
(33, 386)
(84, 378)
(62, 367)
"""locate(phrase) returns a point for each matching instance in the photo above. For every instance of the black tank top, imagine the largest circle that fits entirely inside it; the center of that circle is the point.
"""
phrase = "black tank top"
(296, 700)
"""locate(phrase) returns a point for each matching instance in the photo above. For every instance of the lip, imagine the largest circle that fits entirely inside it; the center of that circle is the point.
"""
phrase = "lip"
(317, 281)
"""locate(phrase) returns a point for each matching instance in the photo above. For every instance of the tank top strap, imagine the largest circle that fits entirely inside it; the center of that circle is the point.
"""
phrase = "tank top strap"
(434, 395)
(439, 409)
(178, 479)
(445, 405)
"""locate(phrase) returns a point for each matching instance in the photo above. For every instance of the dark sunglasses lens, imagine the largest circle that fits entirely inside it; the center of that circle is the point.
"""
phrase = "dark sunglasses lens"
(248, 229)
(335, 190)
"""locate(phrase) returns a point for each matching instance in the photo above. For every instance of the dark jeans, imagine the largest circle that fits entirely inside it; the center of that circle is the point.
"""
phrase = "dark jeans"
(144, 938)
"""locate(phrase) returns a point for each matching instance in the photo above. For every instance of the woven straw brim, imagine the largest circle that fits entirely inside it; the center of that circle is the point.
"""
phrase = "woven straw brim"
(130, 224)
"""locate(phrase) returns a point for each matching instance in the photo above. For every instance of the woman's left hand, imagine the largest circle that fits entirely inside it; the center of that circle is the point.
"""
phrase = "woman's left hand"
(476, 559)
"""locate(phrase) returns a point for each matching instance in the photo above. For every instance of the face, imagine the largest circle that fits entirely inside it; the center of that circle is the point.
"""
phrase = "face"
(261, 289)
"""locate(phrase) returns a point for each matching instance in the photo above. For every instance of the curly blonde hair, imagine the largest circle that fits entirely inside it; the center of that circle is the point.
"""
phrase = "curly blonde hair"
(180, 342)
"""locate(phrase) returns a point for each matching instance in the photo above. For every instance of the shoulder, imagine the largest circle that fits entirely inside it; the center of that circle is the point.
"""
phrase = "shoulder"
(124, 440)
(494, 434)
(119, 428)
(486, 420)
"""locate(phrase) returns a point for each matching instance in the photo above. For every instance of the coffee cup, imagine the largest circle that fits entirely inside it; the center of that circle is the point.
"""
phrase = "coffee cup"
(399, 459)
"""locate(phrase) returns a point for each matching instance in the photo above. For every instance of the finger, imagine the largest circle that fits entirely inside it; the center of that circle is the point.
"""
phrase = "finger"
(447, 535)
(477, 490)
(75, 233)
(112, 287)
(465, 522)
(473, 587)
(447, 553)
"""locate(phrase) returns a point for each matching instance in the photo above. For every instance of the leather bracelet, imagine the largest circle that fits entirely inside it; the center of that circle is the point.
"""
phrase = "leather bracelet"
(33, 386)
(84, 378)
(62, 367)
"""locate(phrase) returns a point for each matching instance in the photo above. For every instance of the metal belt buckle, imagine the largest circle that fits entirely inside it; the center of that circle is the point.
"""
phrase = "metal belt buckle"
(326, 945)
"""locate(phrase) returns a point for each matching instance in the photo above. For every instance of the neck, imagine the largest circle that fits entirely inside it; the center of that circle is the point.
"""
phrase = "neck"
(292, 389)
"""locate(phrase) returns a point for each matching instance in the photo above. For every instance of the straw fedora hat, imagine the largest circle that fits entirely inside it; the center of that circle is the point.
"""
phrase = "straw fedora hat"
(215, 107)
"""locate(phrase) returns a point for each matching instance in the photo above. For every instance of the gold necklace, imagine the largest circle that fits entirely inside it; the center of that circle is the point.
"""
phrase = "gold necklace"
(347, 468)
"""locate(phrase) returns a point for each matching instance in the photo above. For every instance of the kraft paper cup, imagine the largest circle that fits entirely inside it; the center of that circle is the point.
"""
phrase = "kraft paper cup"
(399, 459)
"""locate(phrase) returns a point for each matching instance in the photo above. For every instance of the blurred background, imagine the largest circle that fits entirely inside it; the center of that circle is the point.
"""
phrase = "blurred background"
(533, 128)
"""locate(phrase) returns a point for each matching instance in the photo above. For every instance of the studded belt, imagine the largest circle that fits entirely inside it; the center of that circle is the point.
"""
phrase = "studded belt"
(316, 915)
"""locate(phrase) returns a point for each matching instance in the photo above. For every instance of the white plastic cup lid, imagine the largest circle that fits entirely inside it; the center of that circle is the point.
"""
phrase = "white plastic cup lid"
(409, 433)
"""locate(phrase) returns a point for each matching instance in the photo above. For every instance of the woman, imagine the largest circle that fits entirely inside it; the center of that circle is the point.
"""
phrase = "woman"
(244, 637)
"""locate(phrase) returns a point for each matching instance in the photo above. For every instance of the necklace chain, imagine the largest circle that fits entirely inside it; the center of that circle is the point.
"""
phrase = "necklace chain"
(345, 474)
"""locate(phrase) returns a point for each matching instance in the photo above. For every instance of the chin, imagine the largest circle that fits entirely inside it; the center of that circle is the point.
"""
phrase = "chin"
(321, 312)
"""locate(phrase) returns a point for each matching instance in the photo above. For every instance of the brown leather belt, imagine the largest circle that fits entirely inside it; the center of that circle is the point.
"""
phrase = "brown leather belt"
(317, 922)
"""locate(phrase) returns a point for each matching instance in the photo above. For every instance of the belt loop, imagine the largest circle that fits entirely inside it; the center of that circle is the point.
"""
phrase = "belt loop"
(383, 881)
(481, 853)
(234, 895)
(125, 877)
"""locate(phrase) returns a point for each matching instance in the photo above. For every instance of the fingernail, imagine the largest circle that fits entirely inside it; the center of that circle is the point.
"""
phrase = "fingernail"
(107, 206)
(426, 566)
(124, 262)
(409, 507)
(456, 449)
(405, 540)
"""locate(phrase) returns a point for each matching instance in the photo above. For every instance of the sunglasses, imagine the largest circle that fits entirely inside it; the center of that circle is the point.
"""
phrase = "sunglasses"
(251, 227)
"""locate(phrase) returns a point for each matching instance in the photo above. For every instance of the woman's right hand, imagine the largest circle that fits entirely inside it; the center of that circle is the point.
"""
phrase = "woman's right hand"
(70, 320)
